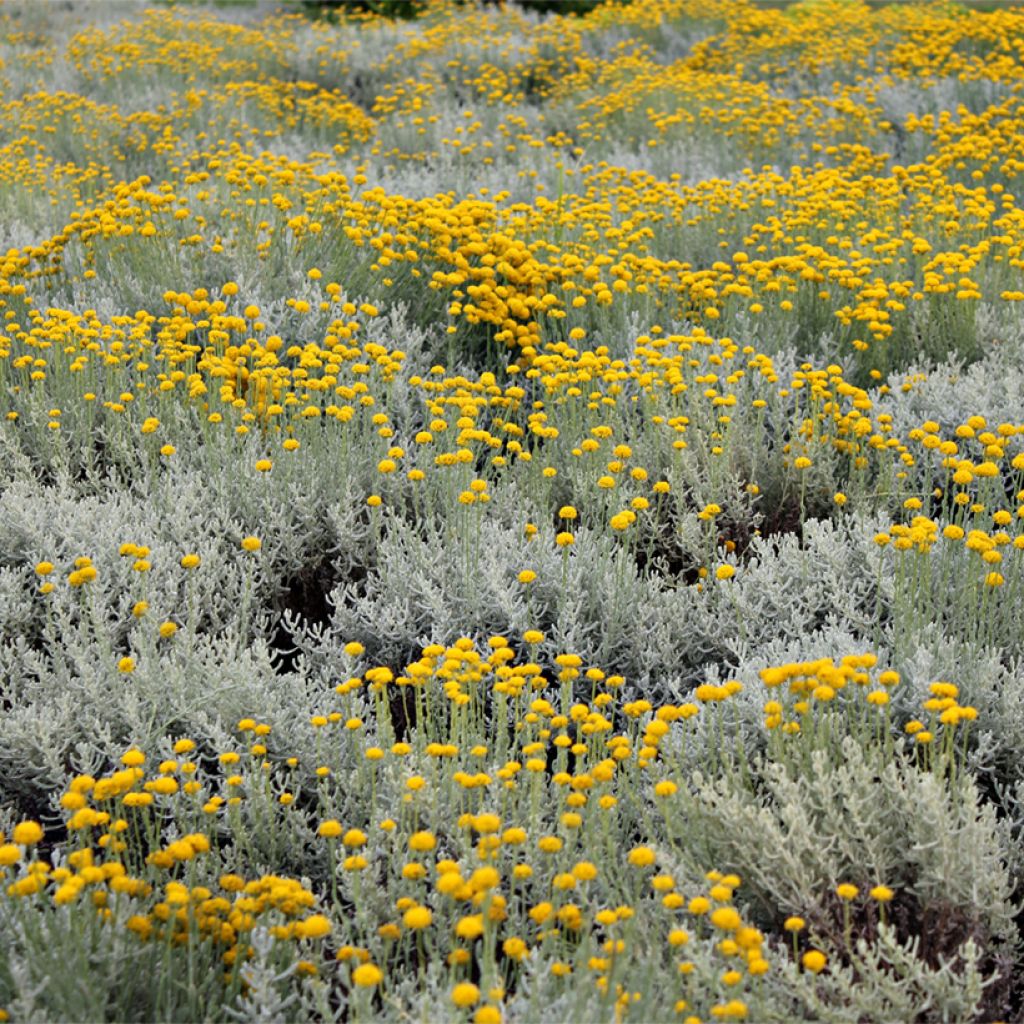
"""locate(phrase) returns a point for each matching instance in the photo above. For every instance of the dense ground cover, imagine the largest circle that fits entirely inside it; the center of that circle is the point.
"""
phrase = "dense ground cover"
(510, 517)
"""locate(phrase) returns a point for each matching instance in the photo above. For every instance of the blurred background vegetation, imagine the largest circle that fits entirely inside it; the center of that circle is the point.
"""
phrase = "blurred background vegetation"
(406, 9)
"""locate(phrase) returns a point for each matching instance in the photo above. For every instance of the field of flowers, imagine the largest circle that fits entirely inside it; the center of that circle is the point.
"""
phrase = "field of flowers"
(512, 517)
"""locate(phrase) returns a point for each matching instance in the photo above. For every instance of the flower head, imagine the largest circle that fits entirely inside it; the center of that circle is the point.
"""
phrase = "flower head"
(814, 961)
(367, 975)
(465, 994)
(641, 856)
(27, 833)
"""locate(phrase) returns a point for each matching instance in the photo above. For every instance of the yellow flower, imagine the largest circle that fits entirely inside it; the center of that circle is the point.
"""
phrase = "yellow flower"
(881, 893)
(81, 576)
(814, 960)
(484, 879)
(641, 856)
(66, 893)
(725, 572)
(726, 918)
(314, 927)
(470, 926)
(190, 561)
(421, 842)
(847, 892)
(251, 544)
(585, 871)
(417, 917)
(465, 994)
(735, 1009)
(126, 665)
(27, 833)
(486, 823)
(367, 975)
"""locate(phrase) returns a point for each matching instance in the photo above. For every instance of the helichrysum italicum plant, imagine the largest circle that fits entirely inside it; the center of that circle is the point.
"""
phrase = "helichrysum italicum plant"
(195, 831)
(510, 516)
